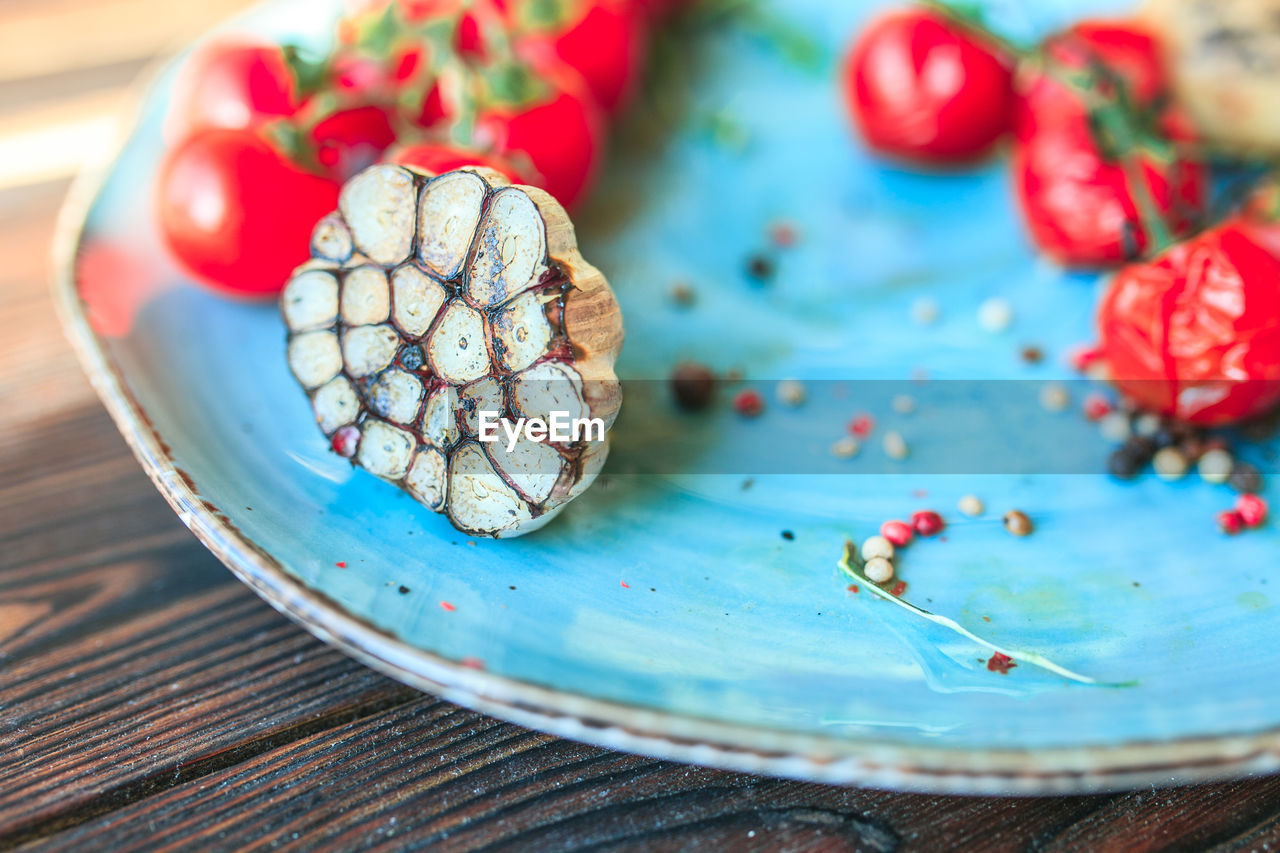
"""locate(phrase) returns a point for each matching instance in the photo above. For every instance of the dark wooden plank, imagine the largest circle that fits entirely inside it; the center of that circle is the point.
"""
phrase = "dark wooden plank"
(131, 658)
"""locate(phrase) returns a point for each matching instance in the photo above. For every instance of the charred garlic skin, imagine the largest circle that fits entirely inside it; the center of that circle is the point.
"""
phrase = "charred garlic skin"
(429, 300)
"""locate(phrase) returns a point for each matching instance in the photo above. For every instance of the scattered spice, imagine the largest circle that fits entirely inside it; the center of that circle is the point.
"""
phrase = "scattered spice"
(1230, 522)
(898, 533)
(342, 564)
(878, 570)
(895, 446)
(1017, 523)
(625, 585)
(404, 590)
(877, 546)
(1032, 354)
(749, 403)
(904, 405)
(927, 523)
(1245, 478)
(790, 393)
(784, 235)
(1114, 427)
(971, 505)
(446, 606)
(862, 425)
(995, 315)
(846, 448)
(1252, 510)
(761, 268)
(1097, 407)
(346, 441)
(1054, 397)
(1170, 464)
(925, 311)
(853, 588)
(1147, 425)
(898, 589)
(472, 663)
(693, 385)
(683, 295)
(1000, 663)
(788, 535)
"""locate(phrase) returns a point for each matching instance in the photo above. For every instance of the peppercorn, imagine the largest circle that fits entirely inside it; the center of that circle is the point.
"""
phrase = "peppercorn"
(1245, 479)
(1032, 354)
(899, 533)
(1170, 464)
(693, 386)
(761, 268)
(791, 393)
(1252, 510)
(878, 570)
(749, 403)
(1230, 522)
(1125, 464)
(346, 441)
(971, 505)
(1017, 523)
(846, 448)
(1142, 447)
(1215, 466)
(895, 446)
(927, 523)
(877, 546)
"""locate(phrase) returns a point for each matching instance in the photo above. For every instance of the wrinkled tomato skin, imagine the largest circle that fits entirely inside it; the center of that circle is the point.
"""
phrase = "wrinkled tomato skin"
(1080, 208)
(606, 42)
(352, 139)
(1193, 335)
(561, 135)
(232, 85)
(438, 159)
(921, 90)
(236, 214)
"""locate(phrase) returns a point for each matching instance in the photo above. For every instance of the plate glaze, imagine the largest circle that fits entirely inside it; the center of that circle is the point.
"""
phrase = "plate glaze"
(664, 613)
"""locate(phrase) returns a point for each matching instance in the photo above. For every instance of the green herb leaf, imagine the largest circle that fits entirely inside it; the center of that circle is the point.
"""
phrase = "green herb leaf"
(851, 564)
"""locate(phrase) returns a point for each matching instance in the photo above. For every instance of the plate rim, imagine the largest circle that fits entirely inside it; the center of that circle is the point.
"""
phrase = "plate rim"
(613, 725)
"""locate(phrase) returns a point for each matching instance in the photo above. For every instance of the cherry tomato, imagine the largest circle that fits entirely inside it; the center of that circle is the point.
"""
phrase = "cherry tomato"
(1192, 334)
(560, 131)
(923, 89)
(351, 139)
(236, 214)
(1131, 51)
(233, 85)
(1093, 168)
(606, 41)
(1082, 207)
(438, 159)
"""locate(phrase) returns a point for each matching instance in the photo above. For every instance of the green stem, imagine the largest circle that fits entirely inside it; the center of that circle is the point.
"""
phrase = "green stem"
(1030, 658)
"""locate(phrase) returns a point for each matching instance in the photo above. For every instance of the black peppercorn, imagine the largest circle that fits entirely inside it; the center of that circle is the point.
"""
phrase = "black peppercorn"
(1245, 479)
(693, 386)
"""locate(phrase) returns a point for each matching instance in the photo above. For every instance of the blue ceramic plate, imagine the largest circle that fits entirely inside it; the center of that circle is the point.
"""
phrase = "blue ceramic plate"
(665, 613)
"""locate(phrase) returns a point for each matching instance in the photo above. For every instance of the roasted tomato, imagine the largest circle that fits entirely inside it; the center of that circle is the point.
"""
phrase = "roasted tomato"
(553, 123)
(438, 159)
(603, 40)
(237, 214)
(922, 88)
(233, 85)
(1192, 334)
(1099, 168)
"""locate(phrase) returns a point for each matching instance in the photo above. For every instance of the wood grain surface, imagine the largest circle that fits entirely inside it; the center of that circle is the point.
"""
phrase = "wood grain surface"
(149, 701)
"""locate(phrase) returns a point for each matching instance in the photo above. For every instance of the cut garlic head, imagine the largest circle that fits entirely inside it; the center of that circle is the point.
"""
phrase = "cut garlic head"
(448, 326)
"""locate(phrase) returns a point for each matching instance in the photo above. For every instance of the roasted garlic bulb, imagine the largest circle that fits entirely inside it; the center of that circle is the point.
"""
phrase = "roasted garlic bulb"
(444, 328)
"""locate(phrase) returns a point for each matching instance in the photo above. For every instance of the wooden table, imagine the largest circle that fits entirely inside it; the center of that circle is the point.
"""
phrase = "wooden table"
(147, 699)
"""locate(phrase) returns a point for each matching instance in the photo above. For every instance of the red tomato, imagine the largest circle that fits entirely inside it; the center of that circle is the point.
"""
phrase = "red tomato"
(351, 139)
(438, 159)
(234, 85)
(606, 41)
(1088, 187)
(1082, 207)
(236, 214)
(923, 89)
(1192, 334)
(560, 131)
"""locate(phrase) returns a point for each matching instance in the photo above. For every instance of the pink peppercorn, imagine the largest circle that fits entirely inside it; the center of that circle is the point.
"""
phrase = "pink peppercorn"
(346, 441)
(1230, 522)
(927, 523)
(1252, 510)
(749, 404)
(897, 532)
(1096, 407)
(862, 425)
